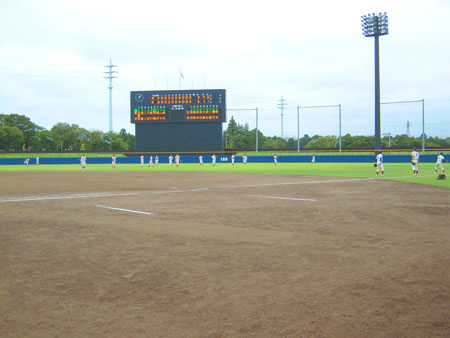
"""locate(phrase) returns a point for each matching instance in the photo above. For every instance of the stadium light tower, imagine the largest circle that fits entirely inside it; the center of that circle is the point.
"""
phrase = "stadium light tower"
(374, 26)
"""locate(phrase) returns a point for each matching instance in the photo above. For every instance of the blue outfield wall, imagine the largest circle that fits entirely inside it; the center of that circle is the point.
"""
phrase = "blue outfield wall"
(226, 159)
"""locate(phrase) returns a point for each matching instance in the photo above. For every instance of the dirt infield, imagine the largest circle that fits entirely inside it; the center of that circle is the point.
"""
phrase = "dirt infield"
(123, 254)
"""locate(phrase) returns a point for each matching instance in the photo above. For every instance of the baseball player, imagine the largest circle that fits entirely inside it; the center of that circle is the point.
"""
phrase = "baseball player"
(170, 160)
(114, 159)
(177, 160)
(232, 160)
(380, 166)
(213, 159)
(244, 159)
(439, 161)
(37, 160)
(150, 163)
(275, 159)
(27, 161)
(83, 161)
(415, 161)
(200, 160)
(313, 160)
(142, 160)
(156, 160)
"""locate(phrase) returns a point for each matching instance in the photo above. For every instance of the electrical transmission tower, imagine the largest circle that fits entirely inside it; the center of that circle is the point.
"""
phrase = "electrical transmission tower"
(408, 125)
(282, 106)
(110, 76)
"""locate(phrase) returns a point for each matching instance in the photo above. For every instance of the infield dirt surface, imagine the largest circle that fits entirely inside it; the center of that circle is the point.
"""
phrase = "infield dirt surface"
(221, 255)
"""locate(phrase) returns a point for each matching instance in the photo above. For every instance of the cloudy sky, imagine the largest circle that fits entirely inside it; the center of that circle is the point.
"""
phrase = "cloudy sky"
(310, 53)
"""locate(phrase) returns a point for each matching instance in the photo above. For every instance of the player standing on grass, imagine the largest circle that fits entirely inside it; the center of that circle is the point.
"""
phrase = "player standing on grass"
(37, 160)
(244, 159)
(150, 163)
(415, 161)
(232, 160)
(83, 161)
(114, 159)
(156, 160)
(213, 159)
(275, 159)
(313, 160)
(27, 161)
(177, 160)
(142, 161)
(200, 160)
(170, 160)
(439, 161)
(380, 166)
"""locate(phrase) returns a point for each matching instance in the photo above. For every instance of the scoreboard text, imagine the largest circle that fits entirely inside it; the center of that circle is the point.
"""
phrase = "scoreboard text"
(207, 105)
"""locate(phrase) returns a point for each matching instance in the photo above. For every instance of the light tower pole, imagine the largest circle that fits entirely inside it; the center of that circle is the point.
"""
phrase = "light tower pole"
(374, 26)
(110, 76)
(282, 105)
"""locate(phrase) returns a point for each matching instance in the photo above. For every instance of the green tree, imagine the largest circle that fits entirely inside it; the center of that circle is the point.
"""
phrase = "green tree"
(11, 138)
(29, 129)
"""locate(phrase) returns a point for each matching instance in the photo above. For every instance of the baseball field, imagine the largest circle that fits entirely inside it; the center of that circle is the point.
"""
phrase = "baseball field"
(293, 250)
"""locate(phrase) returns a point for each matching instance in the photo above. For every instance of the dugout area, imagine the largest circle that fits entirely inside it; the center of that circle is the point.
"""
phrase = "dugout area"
(215, 255)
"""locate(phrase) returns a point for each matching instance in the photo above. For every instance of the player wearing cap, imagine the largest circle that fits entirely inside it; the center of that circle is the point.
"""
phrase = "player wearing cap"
(213, 159)
(415, 161)
(170, 160)
(380, 166)
(177, 160)
(113, 161)
(142, 160)
(200, 160)
(275, 159)
(439, 161)
(232, 160)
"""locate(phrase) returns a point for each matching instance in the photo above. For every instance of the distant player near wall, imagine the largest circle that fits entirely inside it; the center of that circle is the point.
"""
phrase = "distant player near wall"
(142, 160)
(439, 162)
(380, 166)
(415, 161)
(232, 160)
(113, 161)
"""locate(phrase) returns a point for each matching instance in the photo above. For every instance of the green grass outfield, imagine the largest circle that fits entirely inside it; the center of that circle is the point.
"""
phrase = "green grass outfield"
(394, 171)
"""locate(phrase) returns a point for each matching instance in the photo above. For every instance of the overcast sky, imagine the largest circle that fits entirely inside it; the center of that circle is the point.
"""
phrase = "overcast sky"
(312, 53)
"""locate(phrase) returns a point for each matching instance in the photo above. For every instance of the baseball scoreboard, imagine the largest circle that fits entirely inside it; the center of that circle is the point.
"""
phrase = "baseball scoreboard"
(178, 120)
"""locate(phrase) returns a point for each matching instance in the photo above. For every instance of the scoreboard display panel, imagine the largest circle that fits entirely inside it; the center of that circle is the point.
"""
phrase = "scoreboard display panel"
(178, 106)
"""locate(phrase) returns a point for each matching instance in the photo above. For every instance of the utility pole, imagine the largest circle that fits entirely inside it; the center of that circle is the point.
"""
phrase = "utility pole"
(110, 76)
(281, 106)
(388, 134)
(408, 125)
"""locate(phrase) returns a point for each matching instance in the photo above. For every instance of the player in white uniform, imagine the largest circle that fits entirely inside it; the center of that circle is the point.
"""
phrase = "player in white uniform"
(142, 160)
(213, 159)
(380, 166)
(244, 159)
(27, 161)
(150, 163)
(439, 161)
(200, 160)
(275, 159)
(37, 160)
(114, 159)
(156, 160)
(170, 160)
(415, 161)
(232, 160)
(177, 160)
(83, 161)
(313, 160)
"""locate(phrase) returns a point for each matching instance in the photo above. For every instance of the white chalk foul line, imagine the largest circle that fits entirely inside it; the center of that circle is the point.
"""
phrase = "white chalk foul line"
(125, 210)
(286, 198)
(60, 197)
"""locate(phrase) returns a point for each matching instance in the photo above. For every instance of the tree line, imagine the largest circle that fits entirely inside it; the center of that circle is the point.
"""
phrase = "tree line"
(19, 133)
(240, 137)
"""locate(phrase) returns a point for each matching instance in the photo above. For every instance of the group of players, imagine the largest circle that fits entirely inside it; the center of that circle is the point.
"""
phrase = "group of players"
(415, 156)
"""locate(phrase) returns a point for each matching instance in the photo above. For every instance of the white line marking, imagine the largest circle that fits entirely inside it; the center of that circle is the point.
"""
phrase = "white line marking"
(286, 198)
(59, 197)
(125, 210)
